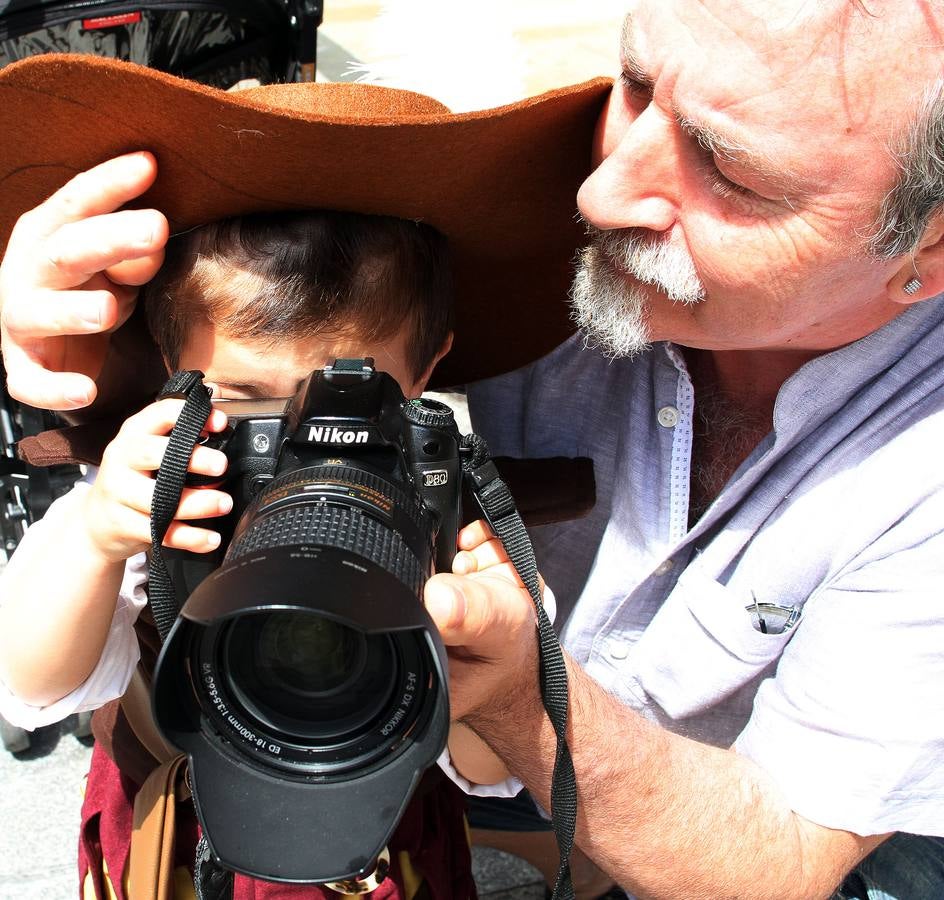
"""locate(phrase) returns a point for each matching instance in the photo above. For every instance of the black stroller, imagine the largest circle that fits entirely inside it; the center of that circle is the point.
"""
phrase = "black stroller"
(215, 43)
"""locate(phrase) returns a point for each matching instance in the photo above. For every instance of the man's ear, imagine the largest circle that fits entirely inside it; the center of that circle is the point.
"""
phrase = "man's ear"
(421, 382)
(921, 274)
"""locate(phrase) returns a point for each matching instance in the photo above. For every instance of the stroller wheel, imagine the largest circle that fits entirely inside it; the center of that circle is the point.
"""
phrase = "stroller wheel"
(15, 740)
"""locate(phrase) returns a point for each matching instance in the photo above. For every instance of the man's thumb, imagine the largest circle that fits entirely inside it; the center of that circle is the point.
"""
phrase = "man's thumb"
(445, 602)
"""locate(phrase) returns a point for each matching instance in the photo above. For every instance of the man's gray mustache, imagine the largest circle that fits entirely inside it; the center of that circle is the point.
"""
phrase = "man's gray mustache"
(651, 260)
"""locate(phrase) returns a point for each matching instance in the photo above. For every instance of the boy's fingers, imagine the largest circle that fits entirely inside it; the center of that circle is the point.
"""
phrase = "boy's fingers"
(203, 503)
(102, 189)
(135, 490)
(161, 416)
(186, 537)
(146, 452)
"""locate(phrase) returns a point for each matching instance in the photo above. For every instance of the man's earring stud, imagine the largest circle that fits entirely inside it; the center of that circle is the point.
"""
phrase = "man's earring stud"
(912, 286)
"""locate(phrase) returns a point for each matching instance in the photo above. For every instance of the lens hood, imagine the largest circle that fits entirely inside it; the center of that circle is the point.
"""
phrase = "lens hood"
(272, 806)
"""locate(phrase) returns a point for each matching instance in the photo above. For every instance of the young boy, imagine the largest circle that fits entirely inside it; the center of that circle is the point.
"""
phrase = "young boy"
(256, 303)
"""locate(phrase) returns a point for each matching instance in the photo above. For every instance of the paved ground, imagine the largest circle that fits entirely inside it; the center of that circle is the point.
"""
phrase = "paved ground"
(493, 51)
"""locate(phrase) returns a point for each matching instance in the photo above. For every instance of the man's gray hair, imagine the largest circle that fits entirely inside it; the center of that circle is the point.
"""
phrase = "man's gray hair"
(908, 207)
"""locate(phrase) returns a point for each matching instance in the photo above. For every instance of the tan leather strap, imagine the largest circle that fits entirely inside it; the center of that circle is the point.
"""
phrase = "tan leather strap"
(151, 864)
(136, 705)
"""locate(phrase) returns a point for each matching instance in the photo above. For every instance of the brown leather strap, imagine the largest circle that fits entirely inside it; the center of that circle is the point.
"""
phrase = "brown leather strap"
(151, 863)
(136, 705)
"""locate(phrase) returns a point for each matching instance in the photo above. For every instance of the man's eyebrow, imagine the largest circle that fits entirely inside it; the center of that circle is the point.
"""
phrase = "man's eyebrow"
(632, 68)
(708, 138)
(727, 149)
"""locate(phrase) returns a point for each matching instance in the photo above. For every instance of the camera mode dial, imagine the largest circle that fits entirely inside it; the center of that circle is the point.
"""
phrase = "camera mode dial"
(430, 413)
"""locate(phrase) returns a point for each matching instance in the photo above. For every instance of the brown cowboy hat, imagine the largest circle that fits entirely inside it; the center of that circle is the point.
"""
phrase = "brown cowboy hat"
(500, 184)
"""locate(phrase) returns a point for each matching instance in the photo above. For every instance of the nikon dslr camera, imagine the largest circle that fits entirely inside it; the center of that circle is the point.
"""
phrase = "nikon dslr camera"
(303, 676)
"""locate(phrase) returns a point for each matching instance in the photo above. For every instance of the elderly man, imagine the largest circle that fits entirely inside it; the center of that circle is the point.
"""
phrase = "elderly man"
(764, 565)
(754, 635)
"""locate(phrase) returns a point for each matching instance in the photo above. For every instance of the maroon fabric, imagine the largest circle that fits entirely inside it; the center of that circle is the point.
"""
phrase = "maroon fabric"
(105, 832)
(432, 831)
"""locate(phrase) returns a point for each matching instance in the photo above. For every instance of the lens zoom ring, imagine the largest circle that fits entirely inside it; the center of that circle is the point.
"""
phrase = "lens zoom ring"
(337, 526)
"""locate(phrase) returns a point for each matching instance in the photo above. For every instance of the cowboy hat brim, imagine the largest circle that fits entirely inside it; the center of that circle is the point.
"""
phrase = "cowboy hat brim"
(500, 184)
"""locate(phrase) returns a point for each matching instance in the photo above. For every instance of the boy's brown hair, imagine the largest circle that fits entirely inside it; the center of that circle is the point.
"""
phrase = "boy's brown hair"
(269, 277)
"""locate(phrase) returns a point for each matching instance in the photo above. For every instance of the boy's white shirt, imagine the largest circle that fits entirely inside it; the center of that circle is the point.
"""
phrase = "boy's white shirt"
(121, 653)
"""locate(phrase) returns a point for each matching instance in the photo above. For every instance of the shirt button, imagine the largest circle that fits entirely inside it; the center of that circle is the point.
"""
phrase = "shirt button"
(663, 568)
(618, 649)
(668, 416)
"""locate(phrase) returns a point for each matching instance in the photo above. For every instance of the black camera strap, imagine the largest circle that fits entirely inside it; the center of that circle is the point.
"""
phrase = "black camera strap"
(498, 505)
(211, 881)
(169, 485)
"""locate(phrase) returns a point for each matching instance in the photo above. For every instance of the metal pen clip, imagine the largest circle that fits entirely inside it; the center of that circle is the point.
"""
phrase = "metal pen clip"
(770, 618)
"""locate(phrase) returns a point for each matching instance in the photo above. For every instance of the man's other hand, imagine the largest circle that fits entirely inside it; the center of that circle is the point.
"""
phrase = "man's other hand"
(487, 621)
(69, 278)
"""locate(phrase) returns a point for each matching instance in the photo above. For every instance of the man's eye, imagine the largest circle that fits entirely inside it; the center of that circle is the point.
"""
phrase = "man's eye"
(636, 89)
(722, 185)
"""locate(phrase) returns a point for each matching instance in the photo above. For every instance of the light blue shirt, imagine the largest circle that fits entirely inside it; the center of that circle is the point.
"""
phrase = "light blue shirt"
(837, 514)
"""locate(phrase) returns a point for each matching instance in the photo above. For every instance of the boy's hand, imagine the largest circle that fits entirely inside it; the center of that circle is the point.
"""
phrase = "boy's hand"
(118, 506)
(69, 277)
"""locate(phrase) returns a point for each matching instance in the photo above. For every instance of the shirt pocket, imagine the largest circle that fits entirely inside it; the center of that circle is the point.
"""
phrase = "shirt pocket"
(701, 646)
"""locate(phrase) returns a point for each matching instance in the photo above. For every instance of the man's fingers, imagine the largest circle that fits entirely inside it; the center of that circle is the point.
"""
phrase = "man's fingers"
(55, 313)
(473, 534)
(78, 250)
(100, 190)
(478, 613)
(136, 271)
(30, 382)
(482, 557)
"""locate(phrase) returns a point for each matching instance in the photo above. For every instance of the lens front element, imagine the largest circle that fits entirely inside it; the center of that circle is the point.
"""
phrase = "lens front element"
(310, 694)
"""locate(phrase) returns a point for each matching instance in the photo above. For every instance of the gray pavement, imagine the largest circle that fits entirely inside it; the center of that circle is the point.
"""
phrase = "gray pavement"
(39, 813)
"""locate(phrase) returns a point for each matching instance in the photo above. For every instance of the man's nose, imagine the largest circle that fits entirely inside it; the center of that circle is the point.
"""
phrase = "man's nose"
(637, 184)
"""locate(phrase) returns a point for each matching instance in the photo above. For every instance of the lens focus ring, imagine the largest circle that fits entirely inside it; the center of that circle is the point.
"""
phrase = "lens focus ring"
(331, 525)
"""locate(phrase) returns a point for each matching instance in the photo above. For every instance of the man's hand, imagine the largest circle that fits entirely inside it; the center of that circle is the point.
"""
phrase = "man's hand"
(487, 621)
(70, 276)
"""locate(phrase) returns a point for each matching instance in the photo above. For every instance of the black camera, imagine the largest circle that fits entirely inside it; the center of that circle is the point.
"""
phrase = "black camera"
(303, 676)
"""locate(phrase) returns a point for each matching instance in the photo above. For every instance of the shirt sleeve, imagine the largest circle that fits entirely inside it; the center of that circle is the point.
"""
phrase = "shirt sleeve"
(511, 786)
(120, 655)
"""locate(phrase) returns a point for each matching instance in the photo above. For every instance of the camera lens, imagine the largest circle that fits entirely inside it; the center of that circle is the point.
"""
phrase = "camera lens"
(308, 655)
(306, 677)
